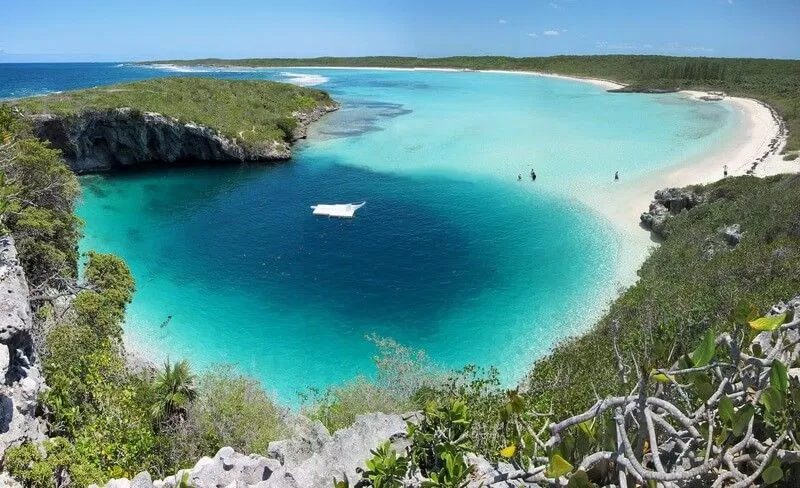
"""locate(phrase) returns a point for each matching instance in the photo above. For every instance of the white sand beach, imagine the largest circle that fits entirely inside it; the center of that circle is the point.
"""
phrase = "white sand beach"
(759, 136)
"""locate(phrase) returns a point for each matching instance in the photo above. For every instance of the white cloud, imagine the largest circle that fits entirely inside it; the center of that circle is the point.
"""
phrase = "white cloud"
(532, 34)
(550, 32)
(502, 21)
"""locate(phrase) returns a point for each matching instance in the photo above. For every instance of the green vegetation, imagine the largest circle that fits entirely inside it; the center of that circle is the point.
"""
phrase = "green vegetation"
(105, 419)
(690, 284)
(229, 410)
(403, 375)
(776, 82)
(251, 110)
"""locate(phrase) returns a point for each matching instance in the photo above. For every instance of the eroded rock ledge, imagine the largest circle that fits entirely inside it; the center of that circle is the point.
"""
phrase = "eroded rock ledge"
(21, 381)
(101, 140)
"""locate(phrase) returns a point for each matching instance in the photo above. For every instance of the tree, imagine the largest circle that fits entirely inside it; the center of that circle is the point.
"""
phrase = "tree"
(175, 389)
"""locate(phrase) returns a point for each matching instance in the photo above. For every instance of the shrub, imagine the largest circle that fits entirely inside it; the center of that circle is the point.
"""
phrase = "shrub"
(401, 374)
(230, 410)
(51, 464)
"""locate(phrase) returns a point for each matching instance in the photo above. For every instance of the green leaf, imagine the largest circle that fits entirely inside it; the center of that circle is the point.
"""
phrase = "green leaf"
(768, 323)
(578, 480)
(772, 474)
(587, 428)
(742, 419)
(779, 376)
(557, 467)
(705, 351)
(772, 399)
(744, 312)
(660, 377)
(702, 386)
(725, 409)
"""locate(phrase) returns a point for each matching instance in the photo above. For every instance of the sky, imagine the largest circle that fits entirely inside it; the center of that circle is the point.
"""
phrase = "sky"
(128, 30)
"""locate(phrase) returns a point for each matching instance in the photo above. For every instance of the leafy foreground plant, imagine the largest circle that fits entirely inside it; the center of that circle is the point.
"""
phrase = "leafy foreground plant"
(723, 416)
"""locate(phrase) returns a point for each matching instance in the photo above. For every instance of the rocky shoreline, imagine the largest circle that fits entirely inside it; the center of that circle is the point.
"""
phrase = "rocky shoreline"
(102, 140)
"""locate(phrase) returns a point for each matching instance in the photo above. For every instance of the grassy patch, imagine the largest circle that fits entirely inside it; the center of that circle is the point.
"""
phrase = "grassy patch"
(251, 110)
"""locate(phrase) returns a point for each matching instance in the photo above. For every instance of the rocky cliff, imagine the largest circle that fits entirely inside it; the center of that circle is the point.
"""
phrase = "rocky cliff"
(21, 378)
(99, 140)
(311, 458)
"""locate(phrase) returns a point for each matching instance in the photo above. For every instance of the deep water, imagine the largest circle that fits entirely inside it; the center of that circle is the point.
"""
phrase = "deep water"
(451, 254)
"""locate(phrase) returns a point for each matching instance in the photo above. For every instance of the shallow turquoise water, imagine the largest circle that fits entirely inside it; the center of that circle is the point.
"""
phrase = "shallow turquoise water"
(451, 254)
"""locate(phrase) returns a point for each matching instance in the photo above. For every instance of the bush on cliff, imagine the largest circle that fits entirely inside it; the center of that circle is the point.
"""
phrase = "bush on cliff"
(230, 410)
(688, 285)
(38, 198)
(401, 373)
(94, 401)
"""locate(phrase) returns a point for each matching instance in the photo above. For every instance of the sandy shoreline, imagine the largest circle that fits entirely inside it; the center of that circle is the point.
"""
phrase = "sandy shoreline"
(606, 84)
(760, 137)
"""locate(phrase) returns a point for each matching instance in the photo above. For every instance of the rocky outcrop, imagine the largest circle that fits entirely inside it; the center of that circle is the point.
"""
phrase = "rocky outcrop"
(667, 202)
(100, 140)
(732, 234)
(22, 379)
(311, 458)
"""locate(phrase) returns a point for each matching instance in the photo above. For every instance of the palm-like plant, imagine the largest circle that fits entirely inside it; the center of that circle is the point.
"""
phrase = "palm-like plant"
(175, 389)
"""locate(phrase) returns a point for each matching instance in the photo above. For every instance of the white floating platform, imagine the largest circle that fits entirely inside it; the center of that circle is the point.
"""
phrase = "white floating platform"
(342, 210)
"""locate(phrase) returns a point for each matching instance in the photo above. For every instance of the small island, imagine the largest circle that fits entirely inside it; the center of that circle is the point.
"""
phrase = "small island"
(172, 120)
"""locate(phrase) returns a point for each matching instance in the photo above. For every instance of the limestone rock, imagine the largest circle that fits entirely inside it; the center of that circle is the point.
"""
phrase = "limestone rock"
(347, 450)
(98, 140)
(15, 312)
(668, 202)
(21, 378)
(308, 437)
(310, 458)
(732, 234)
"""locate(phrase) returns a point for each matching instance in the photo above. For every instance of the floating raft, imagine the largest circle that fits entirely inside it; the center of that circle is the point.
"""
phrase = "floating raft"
(341, 210)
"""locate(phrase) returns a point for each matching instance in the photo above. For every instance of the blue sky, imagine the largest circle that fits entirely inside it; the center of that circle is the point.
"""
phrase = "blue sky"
(122, 30)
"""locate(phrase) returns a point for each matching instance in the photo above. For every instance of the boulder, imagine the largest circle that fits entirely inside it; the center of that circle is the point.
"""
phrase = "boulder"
(668, 202)
(732, 234)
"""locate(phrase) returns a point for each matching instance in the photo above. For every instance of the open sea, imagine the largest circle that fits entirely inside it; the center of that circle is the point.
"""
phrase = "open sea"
(451, 254)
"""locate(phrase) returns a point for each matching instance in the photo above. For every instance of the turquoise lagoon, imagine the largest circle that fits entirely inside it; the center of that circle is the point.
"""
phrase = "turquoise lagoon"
(451, 254)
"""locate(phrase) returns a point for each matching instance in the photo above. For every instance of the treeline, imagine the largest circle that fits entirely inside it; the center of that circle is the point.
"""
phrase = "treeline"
(773, 81)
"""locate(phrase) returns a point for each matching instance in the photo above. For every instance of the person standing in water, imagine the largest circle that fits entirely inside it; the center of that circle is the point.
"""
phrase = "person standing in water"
(533, 175)
(616, 175)
(519, 177)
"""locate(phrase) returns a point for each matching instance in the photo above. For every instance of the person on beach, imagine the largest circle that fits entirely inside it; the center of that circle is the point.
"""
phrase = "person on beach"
(533, 175)
(519, 177)
(725, 170)
(616, 175)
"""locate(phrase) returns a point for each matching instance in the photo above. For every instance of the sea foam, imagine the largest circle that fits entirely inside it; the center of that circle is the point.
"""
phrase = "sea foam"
(304, 79)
